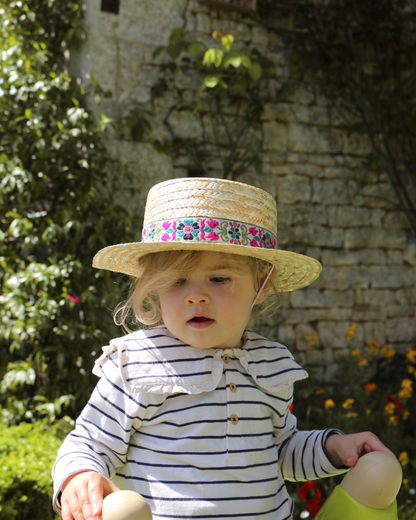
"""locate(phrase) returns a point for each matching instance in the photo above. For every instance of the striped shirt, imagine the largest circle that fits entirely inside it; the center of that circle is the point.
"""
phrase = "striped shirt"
(199, 433)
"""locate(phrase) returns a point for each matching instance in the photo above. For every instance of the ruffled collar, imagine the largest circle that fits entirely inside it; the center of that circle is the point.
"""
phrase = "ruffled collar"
(154, 361)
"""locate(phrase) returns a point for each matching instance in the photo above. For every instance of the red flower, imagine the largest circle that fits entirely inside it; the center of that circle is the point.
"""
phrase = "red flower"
(399, 404)
(291, 408)
(311, 494)
(74, 299)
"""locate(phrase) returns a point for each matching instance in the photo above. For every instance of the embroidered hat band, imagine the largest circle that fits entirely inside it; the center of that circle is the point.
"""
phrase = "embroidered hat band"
(211, 215)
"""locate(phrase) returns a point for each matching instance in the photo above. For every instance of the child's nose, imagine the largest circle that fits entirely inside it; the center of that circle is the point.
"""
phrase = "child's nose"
(197, 295)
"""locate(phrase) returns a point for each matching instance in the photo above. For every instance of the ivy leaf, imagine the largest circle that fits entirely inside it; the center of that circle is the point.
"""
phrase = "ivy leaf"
(227, 42)
(233, 59)
(255, 71)
(213, 57)
(211, 81)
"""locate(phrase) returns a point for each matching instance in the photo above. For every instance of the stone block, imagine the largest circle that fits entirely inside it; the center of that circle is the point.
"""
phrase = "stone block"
(306, 138)
(339, 298)
(259, 36)
(375, 237)
(286, 336)
(406, 296)
(339, 172)
(333, 334)
(357, 277)
(394, 257)
(274, 136)
(409, 254)
(366, 313)
(284, 236)
(185, 125)
(396, 220)
(309, 170)
(347, 257)
(400, 330)
(392, 277)
(399, 311)
(375, 195)
(203, 23)
(334, 314)
(328, 279)
(334, 190)
(375, 330)
(378, 297)
(294, 188)
(355, 144)
(320, 357)
(314, 252)
(294, 316)
(307, 298)
(319, 236)
(305, 214)
(284, 214)
(350, 216)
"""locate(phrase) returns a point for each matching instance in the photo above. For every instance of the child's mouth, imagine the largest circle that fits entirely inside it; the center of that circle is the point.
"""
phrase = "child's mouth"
(200, 322)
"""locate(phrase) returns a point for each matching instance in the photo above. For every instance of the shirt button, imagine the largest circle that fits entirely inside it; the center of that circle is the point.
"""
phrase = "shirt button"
(226, 358)
(234, 419)
(233, 387)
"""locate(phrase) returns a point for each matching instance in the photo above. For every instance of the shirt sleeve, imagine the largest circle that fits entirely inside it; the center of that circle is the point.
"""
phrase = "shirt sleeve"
(301, 453)
(100, 440)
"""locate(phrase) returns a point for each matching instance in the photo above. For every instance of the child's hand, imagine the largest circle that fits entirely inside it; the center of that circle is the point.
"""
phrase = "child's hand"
(83, 494)
(345, 450)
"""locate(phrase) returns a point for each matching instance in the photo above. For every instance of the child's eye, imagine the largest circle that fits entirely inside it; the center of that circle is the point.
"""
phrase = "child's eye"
(178, 282)
(220, 279)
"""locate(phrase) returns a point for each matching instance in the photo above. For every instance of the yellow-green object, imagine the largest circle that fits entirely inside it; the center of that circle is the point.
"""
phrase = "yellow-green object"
(341, 506)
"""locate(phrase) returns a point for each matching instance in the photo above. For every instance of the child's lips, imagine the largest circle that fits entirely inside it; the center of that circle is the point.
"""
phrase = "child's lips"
(200, 322)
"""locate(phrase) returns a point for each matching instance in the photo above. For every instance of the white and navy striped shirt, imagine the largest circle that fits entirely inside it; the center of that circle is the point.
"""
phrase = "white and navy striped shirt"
(201, 434)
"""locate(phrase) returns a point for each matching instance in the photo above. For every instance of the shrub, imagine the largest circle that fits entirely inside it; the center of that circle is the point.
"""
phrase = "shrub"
(27, 453)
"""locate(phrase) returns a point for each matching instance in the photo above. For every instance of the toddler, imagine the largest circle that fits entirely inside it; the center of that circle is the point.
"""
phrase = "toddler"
(194, 411)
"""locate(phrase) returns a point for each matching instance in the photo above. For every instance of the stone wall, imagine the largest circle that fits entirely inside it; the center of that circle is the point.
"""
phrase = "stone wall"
(329, 208)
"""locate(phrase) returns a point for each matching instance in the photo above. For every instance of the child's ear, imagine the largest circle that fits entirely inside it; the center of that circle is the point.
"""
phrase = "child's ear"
(264, 292)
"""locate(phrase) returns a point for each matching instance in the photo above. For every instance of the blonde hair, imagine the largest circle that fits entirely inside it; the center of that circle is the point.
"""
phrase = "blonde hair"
(159, 272)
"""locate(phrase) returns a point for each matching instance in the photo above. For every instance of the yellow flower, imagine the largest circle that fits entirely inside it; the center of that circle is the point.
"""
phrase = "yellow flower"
(351, 332)
(405, 484)
(350, 414)
(329, 403)
(388, 352)
(348, 404)
(356, 353)
(407, 389)
(320, 391)
(389, 408)
(368, 411)
(411, 355)
(411, 370)
(312, 338)
(406, 414)
(362, 362)
(374, 346)
(403, 458)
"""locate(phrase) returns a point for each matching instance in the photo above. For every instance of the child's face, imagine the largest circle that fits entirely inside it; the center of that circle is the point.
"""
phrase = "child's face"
(210, 306)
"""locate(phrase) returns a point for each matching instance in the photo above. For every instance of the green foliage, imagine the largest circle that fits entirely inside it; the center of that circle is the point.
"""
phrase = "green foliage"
(27, 453)
(373, 391)
(230, 87)
(57, 211)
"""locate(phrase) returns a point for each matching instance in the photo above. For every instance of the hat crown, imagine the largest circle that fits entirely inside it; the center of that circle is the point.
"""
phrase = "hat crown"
(211, 198)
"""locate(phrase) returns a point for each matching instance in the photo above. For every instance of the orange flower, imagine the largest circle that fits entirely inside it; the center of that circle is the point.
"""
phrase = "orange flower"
(320, 391)
(312, 338)
(362, 362)
(356, 353)
(394, 420)
(403, 458)
(389, 408)
(368, 411)
(370, 387)
(406, 390)
(347, 404)
(374, 346)
(329, 403)
(388, 352)
(351, 332)
(411, 355)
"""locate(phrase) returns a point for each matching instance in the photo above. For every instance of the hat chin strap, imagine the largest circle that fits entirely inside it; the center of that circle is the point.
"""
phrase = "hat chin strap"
(261, 288)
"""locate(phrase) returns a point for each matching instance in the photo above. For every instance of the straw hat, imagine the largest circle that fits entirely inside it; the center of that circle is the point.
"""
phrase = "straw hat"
(207, 214)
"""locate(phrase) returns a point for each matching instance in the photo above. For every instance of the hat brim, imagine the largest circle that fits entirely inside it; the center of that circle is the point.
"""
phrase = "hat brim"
(292, 270)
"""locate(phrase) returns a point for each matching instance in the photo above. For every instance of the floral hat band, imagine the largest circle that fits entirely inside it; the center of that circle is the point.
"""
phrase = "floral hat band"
(219, 231)
(207, 214)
